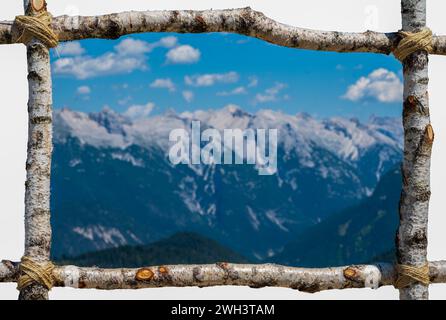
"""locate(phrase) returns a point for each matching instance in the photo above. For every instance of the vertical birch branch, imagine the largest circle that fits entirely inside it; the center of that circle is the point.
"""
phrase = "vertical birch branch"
(38, 163)
(418, 138)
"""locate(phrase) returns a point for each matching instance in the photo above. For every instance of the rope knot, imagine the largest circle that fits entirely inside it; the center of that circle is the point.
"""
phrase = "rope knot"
(413, 41)
(410, 274)
(35, 272)
(38, 27)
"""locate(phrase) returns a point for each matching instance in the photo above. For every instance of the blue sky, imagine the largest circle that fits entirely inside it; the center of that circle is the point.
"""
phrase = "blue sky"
(157, 72)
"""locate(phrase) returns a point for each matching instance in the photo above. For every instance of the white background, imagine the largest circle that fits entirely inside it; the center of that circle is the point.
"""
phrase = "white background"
(342, 15)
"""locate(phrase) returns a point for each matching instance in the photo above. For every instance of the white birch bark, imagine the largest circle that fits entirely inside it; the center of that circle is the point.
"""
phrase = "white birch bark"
(257, 276)
(242, 21)
(9, 271)
(418, 138)
(6, 32)
(38, 163)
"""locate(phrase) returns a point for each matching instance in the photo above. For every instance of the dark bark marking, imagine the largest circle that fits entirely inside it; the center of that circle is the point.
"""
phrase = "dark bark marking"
(41, 120)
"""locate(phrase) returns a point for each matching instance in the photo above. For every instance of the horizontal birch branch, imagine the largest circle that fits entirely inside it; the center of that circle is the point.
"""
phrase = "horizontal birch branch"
(256, 276)
(243, 21)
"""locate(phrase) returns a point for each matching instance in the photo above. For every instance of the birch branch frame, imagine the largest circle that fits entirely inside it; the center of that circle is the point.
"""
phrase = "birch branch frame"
(220, 274)
(412, 239)
(244, 21)
(38, 161)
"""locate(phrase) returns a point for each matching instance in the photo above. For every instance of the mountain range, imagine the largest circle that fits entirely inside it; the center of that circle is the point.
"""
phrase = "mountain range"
(362, 233)
(113, 184)
(180, 248)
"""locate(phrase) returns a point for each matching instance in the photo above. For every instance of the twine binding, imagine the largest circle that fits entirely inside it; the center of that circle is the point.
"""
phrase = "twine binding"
(35, 272)
(413, 41)
(38, 27)
(407, 275)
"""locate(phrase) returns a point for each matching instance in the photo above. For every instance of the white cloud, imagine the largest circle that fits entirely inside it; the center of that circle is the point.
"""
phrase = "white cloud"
(163, 84)
(233, 92)
(123, 86)
(168, 42)
(253, 82)
(207, 80)
(270, 94)
(139, 111)
(131, 47)
(88, 67)
(243, 41)
(83, 90)
(188, 95)
(183, 54)
(128, 56)
(70, 49)
(381, 84)
(124, 101)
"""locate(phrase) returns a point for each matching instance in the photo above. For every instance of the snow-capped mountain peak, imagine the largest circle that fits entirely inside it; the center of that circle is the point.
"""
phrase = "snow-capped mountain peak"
(347, 138)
